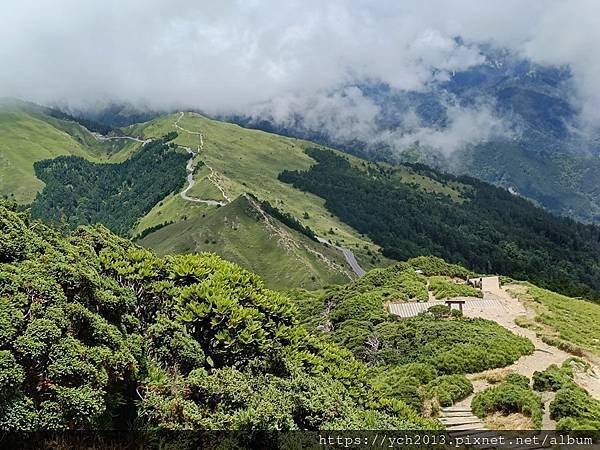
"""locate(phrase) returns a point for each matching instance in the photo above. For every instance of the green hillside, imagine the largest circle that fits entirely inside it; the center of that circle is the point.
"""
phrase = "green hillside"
(248, 161)
(29, 134)
(487, 229)
(378, 211)
(244, 233)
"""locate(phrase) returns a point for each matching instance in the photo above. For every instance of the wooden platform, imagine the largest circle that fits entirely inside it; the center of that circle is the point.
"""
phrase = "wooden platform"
(411, 309)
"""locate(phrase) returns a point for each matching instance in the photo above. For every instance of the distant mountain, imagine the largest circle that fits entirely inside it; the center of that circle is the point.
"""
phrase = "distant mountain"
(542, 152)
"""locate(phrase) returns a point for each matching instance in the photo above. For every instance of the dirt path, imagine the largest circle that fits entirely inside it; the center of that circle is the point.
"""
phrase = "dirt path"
(190, 170)
(100, 137)
(543, 356)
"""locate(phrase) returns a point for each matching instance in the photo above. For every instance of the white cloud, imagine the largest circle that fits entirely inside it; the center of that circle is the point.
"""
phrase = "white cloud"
(465, 126)
(233, 55)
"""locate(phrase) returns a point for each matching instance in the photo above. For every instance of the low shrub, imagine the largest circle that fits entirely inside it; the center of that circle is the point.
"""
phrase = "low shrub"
(406, 389)
(517, 379)
(442, 287)
(562, 345)
(552, 379)
(451, 346)
(362, 306)
(573, 402)
(448, 389)
(431, 266)
(405, 382)
(509, 397)
(424, 373)
(438, 311)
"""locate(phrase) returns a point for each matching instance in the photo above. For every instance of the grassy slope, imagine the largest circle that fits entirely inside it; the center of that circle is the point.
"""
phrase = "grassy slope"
(249, 161)
(237, 233)
(28, 135)
(560, 318)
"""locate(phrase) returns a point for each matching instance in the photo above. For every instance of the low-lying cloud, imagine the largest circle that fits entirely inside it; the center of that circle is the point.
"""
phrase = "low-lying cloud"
(282, 59)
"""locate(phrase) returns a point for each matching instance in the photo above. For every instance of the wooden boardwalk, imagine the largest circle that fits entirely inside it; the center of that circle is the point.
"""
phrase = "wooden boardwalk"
(411, 309)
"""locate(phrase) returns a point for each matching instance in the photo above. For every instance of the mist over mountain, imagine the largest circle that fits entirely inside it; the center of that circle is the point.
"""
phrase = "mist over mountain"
(505, 92)
(506, 120)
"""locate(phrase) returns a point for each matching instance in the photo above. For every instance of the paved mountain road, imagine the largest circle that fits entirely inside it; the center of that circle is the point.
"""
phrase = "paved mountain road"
(349, 255)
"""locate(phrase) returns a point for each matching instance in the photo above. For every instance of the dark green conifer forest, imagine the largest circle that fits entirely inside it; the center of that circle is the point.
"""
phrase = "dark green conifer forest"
(492, 231)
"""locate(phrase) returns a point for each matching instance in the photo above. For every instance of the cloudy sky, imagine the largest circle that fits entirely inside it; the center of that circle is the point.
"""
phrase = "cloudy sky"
(234, 56)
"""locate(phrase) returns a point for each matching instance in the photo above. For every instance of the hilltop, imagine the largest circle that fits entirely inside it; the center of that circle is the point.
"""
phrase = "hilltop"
(244, 232)
(31, 133)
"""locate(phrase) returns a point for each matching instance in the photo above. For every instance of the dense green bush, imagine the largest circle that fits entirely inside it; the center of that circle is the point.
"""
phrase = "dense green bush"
(552, 378)
(368, 307)
(433, 266)
(398, 282)
(406, 388)
(461, 345)
(405, 382)
(518, 380)
(511, 396)
(437, 312)
(97, 333)
(575, 409)
(448, 389)
(443, 288)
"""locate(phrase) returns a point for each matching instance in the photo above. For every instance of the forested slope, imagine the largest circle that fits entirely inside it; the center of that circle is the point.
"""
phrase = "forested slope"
(80, 192)
(489, 231)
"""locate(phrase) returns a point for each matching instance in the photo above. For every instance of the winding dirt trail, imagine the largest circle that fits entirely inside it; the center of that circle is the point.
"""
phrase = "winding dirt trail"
(190, 170)
(100, 137)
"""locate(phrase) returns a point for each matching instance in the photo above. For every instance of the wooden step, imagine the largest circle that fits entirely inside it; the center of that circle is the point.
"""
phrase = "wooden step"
(456, 408)
(460, 420)
(467, 427)
(458, 414)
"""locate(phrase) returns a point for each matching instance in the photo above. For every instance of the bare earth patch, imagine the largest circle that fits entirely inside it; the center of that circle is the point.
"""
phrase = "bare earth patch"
(516, 421)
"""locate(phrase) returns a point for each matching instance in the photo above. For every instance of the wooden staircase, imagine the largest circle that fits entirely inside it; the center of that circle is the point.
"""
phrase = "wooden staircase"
(461, 422)
(461, 418)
